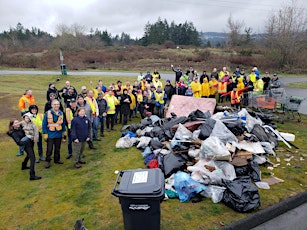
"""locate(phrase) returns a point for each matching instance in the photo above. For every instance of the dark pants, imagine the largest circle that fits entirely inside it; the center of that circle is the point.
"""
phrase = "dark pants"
(125, 119)
(30, 156)
(56, 142)
(110, 120)
(40, 145)
(142, 110)
(69, 144)
(101, 119)
(118, 112)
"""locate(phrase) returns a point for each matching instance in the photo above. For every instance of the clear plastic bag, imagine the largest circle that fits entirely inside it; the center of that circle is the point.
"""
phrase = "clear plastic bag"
(183, 133)
(124, 142)
(214, 192)
(214, 149)
(223, 133)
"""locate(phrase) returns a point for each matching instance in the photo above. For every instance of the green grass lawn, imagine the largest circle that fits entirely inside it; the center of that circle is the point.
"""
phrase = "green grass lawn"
(66, 194)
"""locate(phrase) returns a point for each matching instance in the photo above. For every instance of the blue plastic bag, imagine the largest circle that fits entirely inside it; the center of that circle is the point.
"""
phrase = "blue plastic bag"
(186, 187)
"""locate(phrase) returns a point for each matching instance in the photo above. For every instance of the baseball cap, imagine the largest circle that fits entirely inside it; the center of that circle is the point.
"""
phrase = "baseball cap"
(275, 74)
(168, 81)
(100, 94)
(73, 100)
(266, 72)
(83, 87)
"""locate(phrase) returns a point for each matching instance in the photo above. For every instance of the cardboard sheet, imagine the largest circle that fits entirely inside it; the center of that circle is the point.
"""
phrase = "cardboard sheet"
(184, 105)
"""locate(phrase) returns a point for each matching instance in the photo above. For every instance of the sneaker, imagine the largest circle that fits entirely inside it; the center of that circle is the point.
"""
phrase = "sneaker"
(101, 134)
(82, 162)
(96, 139)
(109, 130)
(77, 166)
(19, 154)
(42, 158)
(68, 156)
(37, 161)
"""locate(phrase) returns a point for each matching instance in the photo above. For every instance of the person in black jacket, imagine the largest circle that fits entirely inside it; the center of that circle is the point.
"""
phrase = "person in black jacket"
(204, 75)
(178, 72)
(102, 106)
(52, 89)
(125, 102)
(169, 91)
(16, 132)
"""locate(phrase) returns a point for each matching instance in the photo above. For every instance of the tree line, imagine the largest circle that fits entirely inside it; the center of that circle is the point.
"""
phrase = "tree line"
(283, 41)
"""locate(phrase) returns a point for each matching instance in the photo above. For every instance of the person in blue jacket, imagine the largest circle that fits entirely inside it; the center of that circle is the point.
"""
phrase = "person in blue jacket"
(80, 134)
(53, 130)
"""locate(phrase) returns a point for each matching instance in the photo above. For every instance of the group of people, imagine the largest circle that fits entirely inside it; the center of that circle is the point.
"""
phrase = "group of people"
(222, 84)
(76, 116)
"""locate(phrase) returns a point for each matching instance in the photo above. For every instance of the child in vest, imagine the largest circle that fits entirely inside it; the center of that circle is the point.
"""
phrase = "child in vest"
(235, 97)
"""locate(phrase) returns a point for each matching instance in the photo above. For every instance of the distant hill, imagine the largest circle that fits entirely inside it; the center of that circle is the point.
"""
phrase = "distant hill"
(213, 37)
(216, 38)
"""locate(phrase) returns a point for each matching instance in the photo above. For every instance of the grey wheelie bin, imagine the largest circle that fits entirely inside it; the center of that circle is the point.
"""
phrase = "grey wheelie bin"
(140, 193)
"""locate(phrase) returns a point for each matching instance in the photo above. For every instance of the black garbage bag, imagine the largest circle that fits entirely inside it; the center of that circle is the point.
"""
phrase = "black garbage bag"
(264, 135)
(173, 163)
(235, 127)
(155, 144)
(206, 129)
(199, 114)
(251, 170)
(241, 194)
(174, 121)
(146, 121)
(134, 127)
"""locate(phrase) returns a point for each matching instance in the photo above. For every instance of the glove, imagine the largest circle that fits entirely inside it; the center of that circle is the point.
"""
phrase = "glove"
(45, 137)
(64, 134)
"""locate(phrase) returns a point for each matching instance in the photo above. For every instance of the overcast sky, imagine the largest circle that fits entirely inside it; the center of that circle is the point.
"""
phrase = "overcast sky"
(131, 16)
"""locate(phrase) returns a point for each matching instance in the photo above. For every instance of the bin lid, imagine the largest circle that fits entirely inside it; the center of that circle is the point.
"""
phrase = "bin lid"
(141, 183)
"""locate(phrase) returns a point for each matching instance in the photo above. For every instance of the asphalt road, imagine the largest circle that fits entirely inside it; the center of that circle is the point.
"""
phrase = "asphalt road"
(171, 76)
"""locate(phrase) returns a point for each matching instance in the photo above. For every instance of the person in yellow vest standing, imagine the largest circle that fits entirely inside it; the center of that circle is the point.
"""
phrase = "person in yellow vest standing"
(258, 89)
(159, 96)
(91, 101)
(37, 119)
(112, 101)
(25, 101)
(132, 104)
(53, 130)
(196, 88)
(70, 112)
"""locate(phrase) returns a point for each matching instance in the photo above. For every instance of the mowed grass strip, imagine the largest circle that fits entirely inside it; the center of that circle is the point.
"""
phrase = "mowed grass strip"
(66, 194)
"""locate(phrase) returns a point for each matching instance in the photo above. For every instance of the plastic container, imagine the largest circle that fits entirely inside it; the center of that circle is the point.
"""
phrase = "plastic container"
(140, 193)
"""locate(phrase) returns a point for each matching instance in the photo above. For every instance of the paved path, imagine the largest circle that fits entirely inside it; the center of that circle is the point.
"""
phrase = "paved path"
(290, 90)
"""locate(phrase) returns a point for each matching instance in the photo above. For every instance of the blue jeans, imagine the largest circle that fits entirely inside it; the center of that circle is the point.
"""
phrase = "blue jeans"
(95, 125)
(101, 119)
(160, 110)
(22, 148)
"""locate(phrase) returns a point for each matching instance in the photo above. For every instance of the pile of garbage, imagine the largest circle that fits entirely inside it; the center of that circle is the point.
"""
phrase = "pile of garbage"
(203, 155)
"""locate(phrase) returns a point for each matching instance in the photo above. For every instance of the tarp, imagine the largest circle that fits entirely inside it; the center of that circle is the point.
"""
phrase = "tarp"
(183, 105)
